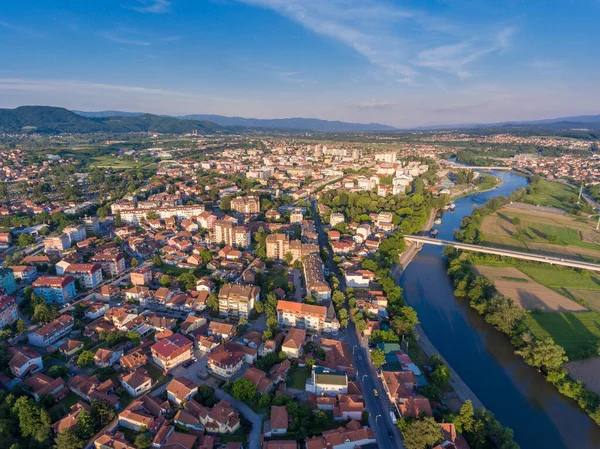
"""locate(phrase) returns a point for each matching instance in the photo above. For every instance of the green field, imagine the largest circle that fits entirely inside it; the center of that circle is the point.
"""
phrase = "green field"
(298, 377)
(578, 333)
(559, 278)
(553, 194)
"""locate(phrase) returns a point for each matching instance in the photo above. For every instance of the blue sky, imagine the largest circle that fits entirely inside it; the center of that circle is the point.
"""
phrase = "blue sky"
(403, 63)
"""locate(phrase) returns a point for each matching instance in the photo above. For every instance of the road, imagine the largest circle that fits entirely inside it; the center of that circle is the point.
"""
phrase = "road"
(379, 405)
(504, 252)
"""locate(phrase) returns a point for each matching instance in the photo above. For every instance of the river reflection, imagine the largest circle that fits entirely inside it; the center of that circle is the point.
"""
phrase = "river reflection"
(517, 394)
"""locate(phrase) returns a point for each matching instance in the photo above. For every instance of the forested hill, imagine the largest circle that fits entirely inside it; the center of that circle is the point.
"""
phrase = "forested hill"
(52, 120)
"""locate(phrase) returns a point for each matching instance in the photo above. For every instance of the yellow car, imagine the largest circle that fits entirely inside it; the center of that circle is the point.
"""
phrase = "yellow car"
(375, 392)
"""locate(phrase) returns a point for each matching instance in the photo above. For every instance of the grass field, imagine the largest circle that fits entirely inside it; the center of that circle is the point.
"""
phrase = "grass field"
(298, 377)
(553, 194)
(113, 162)
(554, 277)
(578, 333)
(527, 293)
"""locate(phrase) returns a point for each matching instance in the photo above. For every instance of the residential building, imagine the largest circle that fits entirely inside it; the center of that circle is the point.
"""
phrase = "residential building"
(143, 276)
(92, 224)
(112, 264)
(278, 246)
(109, 440)
(69, 422)
(336, 218)
(24, 361)
(279, 422)
(134, 216)
(237, 299)
(225, 363)
(303, 316)
(57, 244)
(246, 205)
(297, 215)
(88, 274)
(25, 273)
(222, 418)
(293, 345)
(172, 351)
(316, 284)
(76, 233)
(136, 382)
(55, 288)
(41, 385)
(230, 234)
(324, 381)
(146, 412)
(259, 378)
(70, 347)
(7, 281)
(9, 311)
(105, 357)
(53, 331)
(181, 389)
(134, 360)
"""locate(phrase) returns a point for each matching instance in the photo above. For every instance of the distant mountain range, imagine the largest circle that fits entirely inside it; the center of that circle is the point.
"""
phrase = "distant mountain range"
(52, 120)
(48, 119)
(284, 124)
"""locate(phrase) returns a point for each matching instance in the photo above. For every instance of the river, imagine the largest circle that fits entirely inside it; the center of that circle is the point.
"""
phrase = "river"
(517, 394)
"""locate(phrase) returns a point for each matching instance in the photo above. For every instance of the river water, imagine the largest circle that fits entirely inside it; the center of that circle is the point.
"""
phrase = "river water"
(517, 394)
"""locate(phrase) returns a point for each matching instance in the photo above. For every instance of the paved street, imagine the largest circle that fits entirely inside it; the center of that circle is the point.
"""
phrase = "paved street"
(379, 406)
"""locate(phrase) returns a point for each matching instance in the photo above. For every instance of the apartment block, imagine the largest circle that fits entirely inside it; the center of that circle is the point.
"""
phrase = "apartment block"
(230, 234)
(88, 274)
(53, 331)
(237, 299)
(7, 281)
(55, 288)
(9, 312)
(246, 205)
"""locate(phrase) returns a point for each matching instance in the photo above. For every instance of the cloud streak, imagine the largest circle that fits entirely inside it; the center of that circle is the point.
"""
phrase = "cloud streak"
(404, 42)
(152, 6)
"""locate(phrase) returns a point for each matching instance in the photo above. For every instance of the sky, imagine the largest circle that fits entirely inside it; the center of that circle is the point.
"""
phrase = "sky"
(401, 63)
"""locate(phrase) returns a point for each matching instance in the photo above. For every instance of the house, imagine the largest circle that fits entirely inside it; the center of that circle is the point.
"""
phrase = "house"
(294, 343)
(113, 441)
(225, 363)
(53, 331)
(349, 407)
(24, 361)
(259, 378)
(413, 405)
(279, 420)
(133, 360)
(9, 311)
(136, 382)
(107, 357)
(222, 418)
(143, 276)
(91, 389)
(138, 415)
(191, 323)
(172, 351)
(223, 331)
(69, 422)
(178, 440)
(41, 385)
(338, 356)
(327, 382)
(71, 347)
(280, 444)
(181, 389)
(111, 264)
(349, 437)
(25, 273)
(95, 310)
(279, 371)
(55, 288)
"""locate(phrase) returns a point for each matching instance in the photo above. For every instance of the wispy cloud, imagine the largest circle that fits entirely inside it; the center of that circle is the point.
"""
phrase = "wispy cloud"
(123, 39)
(402, 41)
(130, 36)
(17, 28)
(151, 6)
(374, 104)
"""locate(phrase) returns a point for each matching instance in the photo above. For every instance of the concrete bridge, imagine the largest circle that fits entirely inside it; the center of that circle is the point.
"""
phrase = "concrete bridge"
(419, 240)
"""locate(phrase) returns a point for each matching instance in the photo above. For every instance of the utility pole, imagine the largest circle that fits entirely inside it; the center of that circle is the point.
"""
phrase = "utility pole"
(580, 192)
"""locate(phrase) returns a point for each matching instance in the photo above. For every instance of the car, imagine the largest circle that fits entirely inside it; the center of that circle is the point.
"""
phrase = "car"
(391, 434)
(194, 359)
(375, 392)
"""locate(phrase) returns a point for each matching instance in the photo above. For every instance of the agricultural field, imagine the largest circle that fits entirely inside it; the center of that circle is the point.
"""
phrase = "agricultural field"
(554, 194)
(578, 333)
(586, 371)
(526, 292)
(542, 230)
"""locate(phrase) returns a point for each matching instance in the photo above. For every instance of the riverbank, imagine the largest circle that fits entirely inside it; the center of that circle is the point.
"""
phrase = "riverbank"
(473, 191)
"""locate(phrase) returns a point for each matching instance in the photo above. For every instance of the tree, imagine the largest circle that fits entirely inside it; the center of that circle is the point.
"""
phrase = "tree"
(464, 421)
(68, 440)
(187, 280)
(57, 371)
(142, 441)
(441, 375)
(422, 434)
(288, 258)
(85, 425)
(543, 354)
(134, 337)
(21, 326)
(134, 263)
(34, 421)
(43, 314)
(103, 413)
(165, 280)
(85, 359)
(378, 357)
(118, 221)
(25, 240)
(243, 390)
(157, 261)
(213, 302)
(243, 321)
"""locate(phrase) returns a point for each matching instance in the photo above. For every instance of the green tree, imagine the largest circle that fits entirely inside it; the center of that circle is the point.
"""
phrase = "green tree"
(213, 302)
(143, 441)
(103, 413)
(243, 390)
(165, 280)
(68, 440)
(378, 357)
(25, 240)
(157, 261)
(422, 434)
(21, 326)
(134, 263)
(544, 354)
(85, 425)
(288, 258)
(85, 359)
(187, 280)
(465, 421)
(57, 371)
(441, 375)
(34, 421)
(134, 337)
